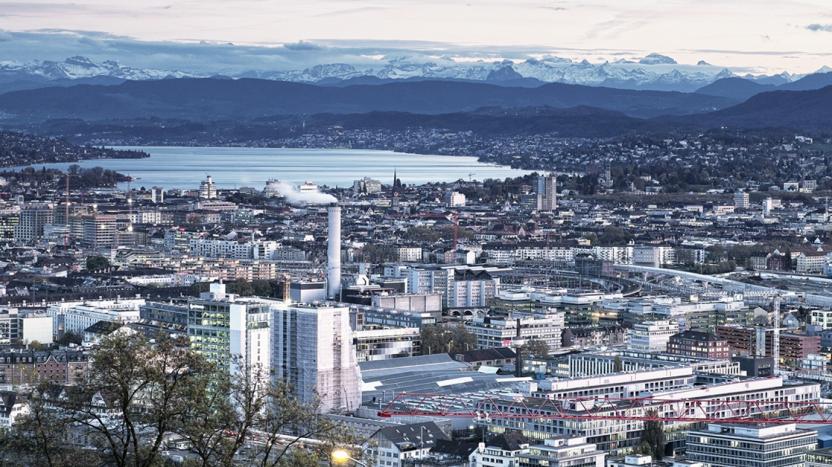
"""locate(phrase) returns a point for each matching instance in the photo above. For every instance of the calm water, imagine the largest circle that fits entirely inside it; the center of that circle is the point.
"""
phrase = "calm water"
(185, 167)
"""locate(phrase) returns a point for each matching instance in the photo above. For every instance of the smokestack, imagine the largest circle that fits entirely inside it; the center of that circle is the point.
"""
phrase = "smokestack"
(333, 262)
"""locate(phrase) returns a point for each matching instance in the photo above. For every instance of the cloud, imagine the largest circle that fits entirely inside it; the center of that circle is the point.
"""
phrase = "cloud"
(816, 27)
(302, 45)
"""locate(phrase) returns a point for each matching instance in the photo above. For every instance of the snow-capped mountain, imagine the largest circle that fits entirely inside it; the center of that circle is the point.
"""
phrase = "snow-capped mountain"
(82, 67)
(652, 72)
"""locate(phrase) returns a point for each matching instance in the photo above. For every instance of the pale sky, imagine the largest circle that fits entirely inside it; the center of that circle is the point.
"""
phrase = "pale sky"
(794, 35)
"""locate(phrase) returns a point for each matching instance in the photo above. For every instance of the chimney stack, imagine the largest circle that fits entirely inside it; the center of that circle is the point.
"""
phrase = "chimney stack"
(333, 262)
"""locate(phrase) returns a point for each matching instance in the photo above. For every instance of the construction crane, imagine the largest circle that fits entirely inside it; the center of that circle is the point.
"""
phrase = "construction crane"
(650, 408)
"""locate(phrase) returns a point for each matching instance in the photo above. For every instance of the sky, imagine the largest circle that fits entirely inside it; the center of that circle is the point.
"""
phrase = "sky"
(761, 35)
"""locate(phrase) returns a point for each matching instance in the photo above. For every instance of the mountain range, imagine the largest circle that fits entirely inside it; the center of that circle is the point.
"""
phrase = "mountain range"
(652, 72)
(210, 99)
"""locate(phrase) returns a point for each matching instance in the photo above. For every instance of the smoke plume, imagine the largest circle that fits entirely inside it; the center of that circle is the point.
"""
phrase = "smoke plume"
(305, 198)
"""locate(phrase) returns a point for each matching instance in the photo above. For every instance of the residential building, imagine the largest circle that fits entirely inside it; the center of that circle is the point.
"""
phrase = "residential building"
(741, 200)
(698, 344)
(30, 222)
(397, 446)
(454, 199)
(76, 317)
(503, 450)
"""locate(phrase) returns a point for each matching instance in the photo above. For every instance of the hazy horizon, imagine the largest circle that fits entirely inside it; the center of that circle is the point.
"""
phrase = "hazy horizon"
(754, 36)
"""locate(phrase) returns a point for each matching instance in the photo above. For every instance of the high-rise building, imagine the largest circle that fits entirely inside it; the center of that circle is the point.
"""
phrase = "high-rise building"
(547, 196)
(99, 230)
(32, 218)
(207, 189)
(741, 200)
(313, 352)
(232, 332)
(751, 446)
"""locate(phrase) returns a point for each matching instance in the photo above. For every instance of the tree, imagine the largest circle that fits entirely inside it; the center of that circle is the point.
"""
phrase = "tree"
(617, 364)
(536, 348)
(138, 392)
(652, 436)
(438, 339)
(97, 263)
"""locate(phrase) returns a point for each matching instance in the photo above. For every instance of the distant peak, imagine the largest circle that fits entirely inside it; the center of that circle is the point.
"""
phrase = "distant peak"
(824, 69)
(703, 63)
(657, 59)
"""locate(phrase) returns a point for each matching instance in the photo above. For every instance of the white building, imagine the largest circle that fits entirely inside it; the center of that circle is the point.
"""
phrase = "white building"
(366, 185)
(207, 189)
(821, 318)
(409, 254)
(651, 336)
(750, 446)
(565, 452)
(741, 200)
(77, 316)
(454, 199)
(494, 332)
(312, 351)
(396, 446)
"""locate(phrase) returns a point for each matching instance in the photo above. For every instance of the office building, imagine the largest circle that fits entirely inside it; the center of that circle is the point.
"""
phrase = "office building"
(501, 331)
(76, 317)
(313, 352)
(750, 446)
(384, 344)
(232, 332)
(547, 196)
(564, 452)
(207, 189)
(99, 231)
(651, 336)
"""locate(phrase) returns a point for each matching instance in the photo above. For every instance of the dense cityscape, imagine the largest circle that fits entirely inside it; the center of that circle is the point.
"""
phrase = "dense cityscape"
(546, 233)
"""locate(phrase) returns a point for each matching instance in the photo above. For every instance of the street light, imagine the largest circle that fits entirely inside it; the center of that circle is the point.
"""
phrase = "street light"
(342, 457)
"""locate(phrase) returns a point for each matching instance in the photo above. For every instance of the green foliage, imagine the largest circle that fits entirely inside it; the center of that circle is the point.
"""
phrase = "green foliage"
(438, 339)
(97, 263)
(153, 390)
(536, 348)
(652, 437)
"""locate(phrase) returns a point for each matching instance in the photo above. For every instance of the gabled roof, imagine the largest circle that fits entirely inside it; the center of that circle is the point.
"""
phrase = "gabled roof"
(413, 436)
(481, 355)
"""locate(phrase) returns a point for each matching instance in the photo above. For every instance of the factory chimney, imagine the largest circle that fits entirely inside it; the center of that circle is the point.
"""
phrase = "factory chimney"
(333, 261)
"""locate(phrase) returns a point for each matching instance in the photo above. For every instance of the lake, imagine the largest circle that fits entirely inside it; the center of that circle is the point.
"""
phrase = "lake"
(184, 167)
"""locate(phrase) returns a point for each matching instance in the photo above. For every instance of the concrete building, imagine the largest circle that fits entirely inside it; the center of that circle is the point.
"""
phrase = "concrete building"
(313, 352)
(493, 331)
(76, 317)
(750, 446)
(564, 452)
(366, 185)
(741, 200)
(99, 231)
(409, 254)
(506, 450)
(30, 222)
(454, 199)
(232, 332)
(207, 189)
(419, 303)
(384, 344)
(651, 336)
(547, 195)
